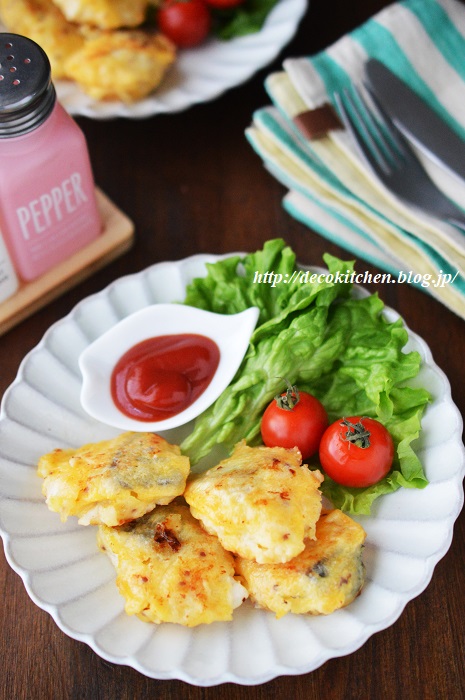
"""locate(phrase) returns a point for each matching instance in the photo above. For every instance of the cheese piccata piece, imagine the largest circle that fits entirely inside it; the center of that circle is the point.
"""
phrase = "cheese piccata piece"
(326, 576)
(170, 570)
(42, 21)
(121, 65)
(106, 14)
(113, 481)
(102, 45)
(261, 502)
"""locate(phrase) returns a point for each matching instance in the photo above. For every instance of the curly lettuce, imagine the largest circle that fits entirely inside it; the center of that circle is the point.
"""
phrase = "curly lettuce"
(246, 18)
(319, 336)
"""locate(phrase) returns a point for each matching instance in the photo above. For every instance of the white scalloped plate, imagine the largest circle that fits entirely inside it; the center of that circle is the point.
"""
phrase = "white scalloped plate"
(66, 575)
(199, 74)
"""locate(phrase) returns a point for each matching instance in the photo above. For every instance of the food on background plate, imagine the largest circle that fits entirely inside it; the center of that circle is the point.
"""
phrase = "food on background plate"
(261, 502)
(190, 22)
(113, 481)
(42, 21)
(106, 14)
(327, 575)
(117, 49)
(121, 65)
(186, 22)
(125, 64)
(294, 419)
(170, 570)
(224, 4)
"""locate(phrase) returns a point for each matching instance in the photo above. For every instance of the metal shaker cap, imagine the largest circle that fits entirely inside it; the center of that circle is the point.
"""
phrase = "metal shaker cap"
(27, 95)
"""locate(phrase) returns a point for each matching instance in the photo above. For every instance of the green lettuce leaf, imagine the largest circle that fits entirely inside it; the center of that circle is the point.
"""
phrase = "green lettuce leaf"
(243, 19)
(369, 378)
(318, 336)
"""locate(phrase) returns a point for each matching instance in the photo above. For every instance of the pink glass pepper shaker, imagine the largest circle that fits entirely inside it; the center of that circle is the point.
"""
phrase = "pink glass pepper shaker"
(48, 209)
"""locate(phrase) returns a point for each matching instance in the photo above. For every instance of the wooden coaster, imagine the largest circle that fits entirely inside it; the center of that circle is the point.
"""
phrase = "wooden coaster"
(116, 238)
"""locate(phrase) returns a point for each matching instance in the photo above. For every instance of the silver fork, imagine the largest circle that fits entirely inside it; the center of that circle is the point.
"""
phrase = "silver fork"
(391, 159)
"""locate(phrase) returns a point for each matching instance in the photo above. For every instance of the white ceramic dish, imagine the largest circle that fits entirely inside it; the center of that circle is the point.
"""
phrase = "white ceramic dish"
(200, 74)
(230, 333)
(65, 574)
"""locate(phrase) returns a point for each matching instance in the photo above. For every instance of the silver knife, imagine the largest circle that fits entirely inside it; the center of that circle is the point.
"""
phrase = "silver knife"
(416, 119)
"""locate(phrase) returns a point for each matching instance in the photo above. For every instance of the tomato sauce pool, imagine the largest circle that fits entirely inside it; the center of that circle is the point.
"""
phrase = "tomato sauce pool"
(161, 376)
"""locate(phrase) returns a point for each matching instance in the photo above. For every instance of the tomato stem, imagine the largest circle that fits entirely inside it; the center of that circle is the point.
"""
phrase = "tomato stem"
(290, 399)
(356, 434)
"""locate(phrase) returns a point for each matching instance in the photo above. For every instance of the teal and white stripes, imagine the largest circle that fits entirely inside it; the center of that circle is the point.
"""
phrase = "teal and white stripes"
(417, 39)
(331, 190)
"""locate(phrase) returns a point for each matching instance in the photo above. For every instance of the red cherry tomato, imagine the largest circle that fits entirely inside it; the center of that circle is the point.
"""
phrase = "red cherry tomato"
(294, 419)
(224, 4)
(356, 451)
(186, 22)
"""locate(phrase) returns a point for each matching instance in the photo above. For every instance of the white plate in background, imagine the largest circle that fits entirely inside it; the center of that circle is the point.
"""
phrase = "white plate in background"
(199, 74)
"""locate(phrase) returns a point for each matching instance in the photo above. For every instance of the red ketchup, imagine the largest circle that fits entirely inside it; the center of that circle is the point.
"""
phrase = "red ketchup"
(160, 377)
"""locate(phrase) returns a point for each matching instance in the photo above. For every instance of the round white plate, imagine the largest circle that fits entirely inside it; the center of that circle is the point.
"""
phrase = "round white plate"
(199, 74)
(66, 574)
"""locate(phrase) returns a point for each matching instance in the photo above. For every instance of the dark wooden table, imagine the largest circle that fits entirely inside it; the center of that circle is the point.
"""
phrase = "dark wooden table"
(191, 183)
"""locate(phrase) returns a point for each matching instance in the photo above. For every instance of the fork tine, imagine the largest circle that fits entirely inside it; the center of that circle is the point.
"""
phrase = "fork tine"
(360, 133)
(390, 158)
(394, 134)
(362, 126)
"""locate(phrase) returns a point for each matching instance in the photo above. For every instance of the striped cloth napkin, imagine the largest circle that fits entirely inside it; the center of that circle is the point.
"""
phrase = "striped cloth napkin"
(330, 187)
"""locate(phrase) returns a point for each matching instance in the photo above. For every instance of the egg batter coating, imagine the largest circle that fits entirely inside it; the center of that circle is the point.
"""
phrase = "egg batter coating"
(326, 576)
(106, 14)
(113, 481)
(262, 503)
(121, 65)
(42, 21)
(170, 570)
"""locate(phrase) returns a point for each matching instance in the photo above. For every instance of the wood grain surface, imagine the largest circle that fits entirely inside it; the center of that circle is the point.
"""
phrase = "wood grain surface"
(191, 183)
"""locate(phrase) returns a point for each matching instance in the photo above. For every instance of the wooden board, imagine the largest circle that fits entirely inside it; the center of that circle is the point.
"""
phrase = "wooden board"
(116, 239)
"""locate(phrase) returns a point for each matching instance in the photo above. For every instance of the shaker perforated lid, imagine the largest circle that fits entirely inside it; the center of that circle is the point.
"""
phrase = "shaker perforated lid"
(27, 95)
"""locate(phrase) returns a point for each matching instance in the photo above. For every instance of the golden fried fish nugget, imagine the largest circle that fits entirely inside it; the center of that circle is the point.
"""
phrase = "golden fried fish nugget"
(170, 570)
(326, 576)
(113, 481)
(121, 65)
(106, 14)
(42, 21)
(262, 503)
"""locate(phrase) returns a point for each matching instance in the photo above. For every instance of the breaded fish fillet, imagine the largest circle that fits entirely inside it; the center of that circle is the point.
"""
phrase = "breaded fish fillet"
(326, 576)
(106, 14)
(113, 481)
(121, 65)
(42, 21)
(170, 570)
(261, 502)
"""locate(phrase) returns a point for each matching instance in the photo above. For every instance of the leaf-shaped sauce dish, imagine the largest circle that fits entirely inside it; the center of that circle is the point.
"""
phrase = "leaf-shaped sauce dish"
(162, 366)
